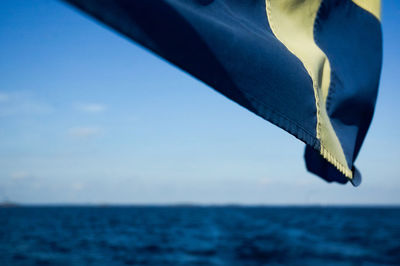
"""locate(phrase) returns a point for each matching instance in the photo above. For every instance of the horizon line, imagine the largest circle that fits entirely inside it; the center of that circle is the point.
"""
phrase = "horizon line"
(5, 204)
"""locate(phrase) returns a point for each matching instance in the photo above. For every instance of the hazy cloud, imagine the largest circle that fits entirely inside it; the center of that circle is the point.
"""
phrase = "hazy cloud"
(84, 132)
(20, 175)
(3, 97)
(78, 186)
(92, 107)
(266, 181)
(21, 103)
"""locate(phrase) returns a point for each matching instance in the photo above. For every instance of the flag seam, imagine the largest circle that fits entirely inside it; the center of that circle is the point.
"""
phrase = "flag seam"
(324, 152)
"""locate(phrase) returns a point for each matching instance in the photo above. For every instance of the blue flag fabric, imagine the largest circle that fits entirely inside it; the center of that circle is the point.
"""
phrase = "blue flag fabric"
(311, 67)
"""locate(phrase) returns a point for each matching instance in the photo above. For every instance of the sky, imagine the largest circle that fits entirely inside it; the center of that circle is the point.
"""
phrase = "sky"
(89, 117)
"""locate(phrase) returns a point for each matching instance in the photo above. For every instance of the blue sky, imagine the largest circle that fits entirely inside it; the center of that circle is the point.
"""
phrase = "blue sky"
(87, 116)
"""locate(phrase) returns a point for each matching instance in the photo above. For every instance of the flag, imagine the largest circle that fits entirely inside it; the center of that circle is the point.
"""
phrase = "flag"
(311, 67)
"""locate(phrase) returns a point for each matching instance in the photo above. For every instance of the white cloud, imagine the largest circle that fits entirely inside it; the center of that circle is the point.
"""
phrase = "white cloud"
(92, 107)
(84, 132)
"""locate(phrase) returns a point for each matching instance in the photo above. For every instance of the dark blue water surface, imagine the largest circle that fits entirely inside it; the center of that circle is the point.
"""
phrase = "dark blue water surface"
(199, 236)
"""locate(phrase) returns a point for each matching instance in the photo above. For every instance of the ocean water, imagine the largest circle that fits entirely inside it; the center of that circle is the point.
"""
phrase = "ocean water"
(187, 235)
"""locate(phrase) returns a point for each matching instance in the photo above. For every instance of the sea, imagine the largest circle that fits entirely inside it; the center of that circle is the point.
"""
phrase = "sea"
(199, 235)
